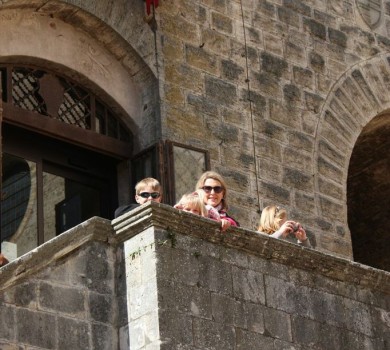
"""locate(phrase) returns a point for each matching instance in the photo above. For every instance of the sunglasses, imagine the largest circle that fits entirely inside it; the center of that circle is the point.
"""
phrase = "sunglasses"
(208, 189)
(154, 195)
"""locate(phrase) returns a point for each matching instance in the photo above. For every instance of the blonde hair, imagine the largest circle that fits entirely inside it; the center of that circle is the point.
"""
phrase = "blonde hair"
(195, 201)
(270, 219)
(215, 176)
(149, 181)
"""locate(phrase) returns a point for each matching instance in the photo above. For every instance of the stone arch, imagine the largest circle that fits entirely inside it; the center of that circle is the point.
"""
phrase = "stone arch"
(359, 96)
(76, 43)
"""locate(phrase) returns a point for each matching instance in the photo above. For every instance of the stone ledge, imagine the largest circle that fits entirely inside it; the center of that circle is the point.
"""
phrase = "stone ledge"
(252, 242)
(94, 229)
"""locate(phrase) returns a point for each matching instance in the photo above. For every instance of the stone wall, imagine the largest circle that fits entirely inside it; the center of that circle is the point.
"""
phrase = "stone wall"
(177, 282)
(192, 287)
(277, 91)
(66, 294)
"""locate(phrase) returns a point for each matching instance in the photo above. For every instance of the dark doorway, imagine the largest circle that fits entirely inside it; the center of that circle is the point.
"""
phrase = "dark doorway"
(58, 185)
(368, 194)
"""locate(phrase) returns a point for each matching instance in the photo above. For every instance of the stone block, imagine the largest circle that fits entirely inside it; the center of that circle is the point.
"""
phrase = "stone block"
(317, 62)
(337, 37)
(251, 340)
(198, 57)
(332, 209)
(274, 192)
(219, 90)
(298, 179)
(295, 53)
(297, 159)
(104, 337)
(289, 16)
(202, 105)
(7, 326)
(179, 27)
(270, 170)
(248, 285)
(327, 169)
(232, 71)
(303, 77)
(298, 6)
(330, 189)
(102, 308)
(285, 114)
(221, 23)
(39, 329)
(273, 44)
(215, 276)
(216, 42)
(315, 28)
(177, 327)
(266, 84)
(25, 295)
(206, 332)
(358, 317)
(184, 299)
(273, 65)
(178, 266)
(277, 324)
(62, 299)
(305, 202)
(74, 334)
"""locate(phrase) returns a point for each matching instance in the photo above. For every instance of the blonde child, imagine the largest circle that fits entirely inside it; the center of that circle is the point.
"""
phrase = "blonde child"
(273, 221)
(192, 203)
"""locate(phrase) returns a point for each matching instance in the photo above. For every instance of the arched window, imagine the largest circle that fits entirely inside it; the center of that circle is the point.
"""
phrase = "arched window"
(61, 145)
(368, 194)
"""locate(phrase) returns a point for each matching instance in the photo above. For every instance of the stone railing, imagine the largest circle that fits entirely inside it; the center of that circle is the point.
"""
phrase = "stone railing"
(161, 278)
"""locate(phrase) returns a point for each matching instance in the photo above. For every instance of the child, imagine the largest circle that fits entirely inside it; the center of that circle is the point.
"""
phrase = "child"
(192, 203)
(148, 189)
(273, 221)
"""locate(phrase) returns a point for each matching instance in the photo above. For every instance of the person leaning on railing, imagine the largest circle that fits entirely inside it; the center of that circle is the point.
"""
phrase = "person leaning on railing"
(274, 222)
(212, 188)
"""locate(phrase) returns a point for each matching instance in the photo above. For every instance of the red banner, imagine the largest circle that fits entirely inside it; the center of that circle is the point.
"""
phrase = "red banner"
(149, 3)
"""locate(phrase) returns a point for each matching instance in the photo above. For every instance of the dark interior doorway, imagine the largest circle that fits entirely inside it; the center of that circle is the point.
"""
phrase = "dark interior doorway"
(50, 186)
(368, 194)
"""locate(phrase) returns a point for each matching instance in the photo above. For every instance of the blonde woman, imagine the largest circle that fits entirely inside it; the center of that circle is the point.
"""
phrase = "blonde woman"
(273, 221)
(212, 188)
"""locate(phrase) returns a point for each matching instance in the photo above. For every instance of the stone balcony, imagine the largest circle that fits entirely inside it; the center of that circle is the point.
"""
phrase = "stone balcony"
(158, 278)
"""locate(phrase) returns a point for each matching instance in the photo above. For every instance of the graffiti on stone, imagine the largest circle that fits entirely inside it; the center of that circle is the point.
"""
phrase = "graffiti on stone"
(371, 11)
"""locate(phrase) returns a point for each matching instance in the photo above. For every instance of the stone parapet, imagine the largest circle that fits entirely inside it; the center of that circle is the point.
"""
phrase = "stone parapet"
(159, 278)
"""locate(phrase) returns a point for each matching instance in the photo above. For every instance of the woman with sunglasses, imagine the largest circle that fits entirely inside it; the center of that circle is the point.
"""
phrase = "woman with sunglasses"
(273, 221)
(214, 193)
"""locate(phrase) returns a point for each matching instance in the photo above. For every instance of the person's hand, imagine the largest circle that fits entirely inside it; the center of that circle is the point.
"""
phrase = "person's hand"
(225, 224)
(301, 233)
(286, 228)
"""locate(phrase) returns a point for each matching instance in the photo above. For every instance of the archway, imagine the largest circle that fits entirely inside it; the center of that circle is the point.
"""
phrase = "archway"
(71, 165)
(351, 130)
(368, 194)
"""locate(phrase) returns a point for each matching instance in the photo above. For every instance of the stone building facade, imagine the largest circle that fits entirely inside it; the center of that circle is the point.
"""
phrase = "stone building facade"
(287, 99)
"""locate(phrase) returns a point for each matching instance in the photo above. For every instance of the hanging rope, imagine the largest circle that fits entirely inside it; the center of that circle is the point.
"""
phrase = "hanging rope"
(250, 107)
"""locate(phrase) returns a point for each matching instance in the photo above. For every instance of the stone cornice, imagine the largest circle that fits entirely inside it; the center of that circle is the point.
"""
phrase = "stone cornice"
(23, 268)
